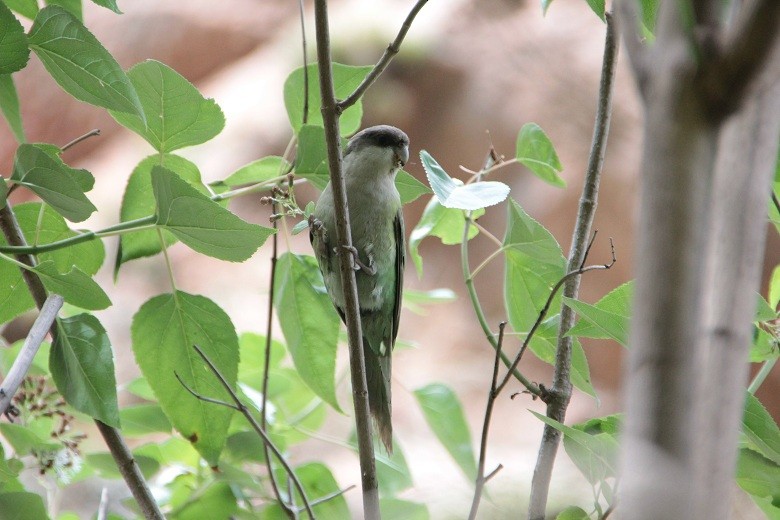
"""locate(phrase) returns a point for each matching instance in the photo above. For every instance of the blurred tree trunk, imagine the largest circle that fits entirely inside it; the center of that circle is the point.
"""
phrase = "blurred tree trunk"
(710, 141)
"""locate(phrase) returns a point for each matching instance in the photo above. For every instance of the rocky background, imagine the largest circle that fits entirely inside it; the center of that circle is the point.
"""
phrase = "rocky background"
(470, 73)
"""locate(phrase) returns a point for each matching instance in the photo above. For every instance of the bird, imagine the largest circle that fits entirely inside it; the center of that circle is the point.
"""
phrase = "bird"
(371, 160)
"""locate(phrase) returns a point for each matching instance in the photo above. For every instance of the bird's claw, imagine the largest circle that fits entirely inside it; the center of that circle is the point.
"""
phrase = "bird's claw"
(369, 269)
(317, 227)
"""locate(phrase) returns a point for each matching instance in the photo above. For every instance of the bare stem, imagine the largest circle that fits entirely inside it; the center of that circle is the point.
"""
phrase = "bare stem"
(330, 116)
(84, 137)
(384, 61)
(479, 484)
(238, 405)
(560, 392)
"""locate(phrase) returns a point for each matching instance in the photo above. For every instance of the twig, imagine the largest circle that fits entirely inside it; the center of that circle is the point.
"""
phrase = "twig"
(479, 484)
(102, 511)
(35, 337)
(84, 137)
(343, 236)
(241, 407)
(116, 445)
(268, 336)
(766, 368)
(776, 201)
(560, 393)
(305, 64)
(543, 313)
(332, 495)
(384, 61)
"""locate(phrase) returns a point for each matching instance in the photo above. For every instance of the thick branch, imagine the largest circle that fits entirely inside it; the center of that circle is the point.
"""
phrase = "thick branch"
(119, 451)
(561, 387)
(384, 61)
(33, 341)
(343, 236)
(744, 53)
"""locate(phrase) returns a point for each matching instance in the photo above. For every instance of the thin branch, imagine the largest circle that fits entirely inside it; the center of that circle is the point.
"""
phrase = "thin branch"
(102, 511)
(762, 374)
(242, 408)
(543, 313)
(333, 495)
(559, 394)
(776, 201)
(35, 337)
(479, 484)
(84, 137)
(384, 61)
(330, 116)
(268, 336)
(305, 64)
(113, 439)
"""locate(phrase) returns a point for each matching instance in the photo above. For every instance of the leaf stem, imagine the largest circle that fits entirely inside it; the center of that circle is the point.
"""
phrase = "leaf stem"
(766, 368)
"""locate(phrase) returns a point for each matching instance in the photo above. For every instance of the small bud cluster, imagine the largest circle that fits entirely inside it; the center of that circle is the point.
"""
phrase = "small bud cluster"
(283, 199)
(36, 400)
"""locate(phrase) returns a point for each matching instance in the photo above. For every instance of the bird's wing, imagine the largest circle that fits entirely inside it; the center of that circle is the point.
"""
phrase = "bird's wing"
(400, 260)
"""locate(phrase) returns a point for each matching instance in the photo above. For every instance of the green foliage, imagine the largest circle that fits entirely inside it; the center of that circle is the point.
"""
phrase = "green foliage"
(309, 322)
(9, 105)
(606, 319)
(345, 79)
(57, 184)
(573, 513)
(14, 51)
(452, 193)
(174, 114)
(164, 332)
(201, 223)
(75, 286)
(20, 504)
(26, 8)
(535, 150)
(760, 430)
(444, 414)
(79, 63)
(260, 170)
(82, 366)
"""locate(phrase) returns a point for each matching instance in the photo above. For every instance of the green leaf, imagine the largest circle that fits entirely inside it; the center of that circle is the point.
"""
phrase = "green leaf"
(82, 365)
(318, 482)
(24, 440)
(544, 345)
(163, 333)
(395, 509)
(9, 105)
(765, 346)
(598, 7)
(75, 286)
(108, 4)
(55, 182)
(105, 465)
(758, 476)
(309, 322)
(260, 170)
(774, 287)
(392, 472)
(764, 311)
(760, 429)
(217, 501)
(416, 301)
(74, 7)
(26, 8)
(79, 63)
(42, 225)
(21, 505)
(201, 223)
(297, 407)
(608, 318)
(446, 223)
(138, 202)
(534, 263)
(535, 150)
(444, 415)
(311, 161)
(597, 453)
(175, 114)
(14, 52)
(143, 419)
(649, 15)
(573, 513)
(346, 79)
(252, 350)
(3, 192)
(452, 193)
(410, 188)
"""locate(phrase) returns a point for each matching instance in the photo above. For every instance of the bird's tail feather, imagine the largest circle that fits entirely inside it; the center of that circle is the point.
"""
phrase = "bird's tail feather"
(378, 372)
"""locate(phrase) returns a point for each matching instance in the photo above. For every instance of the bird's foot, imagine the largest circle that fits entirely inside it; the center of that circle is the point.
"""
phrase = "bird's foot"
(369, 269)
(317, 227)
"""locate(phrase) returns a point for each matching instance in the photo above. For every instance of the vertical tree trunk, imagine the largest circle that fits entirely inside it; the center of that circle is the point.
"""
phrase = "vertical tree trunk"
(689, 324)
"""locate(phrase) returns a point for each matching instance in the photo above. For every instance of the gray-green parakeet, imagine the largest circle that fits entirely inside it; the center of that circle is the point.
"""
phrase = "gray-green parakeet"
(371, 160)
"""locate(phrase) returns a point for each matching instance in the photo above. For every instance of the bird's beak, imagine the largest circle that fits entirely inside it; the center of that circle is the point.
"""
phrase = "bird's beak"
(403, 155)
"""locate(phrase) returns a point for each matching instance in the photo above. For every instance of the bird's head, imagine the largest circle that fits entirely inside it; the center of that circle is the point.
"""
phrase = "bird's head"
(379, 150)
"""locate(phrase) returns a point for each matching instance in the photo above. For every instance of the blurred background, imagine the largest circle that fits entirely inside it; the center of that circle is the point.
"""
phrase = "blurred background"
(470, 74)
